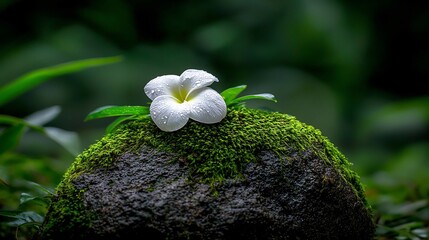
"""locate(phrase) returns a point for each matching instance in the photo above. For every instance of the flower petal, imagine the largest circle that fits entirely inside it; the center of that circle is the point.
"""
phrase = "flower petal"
(206, 106)
(162, 85)
(193, 79)
(168, 114)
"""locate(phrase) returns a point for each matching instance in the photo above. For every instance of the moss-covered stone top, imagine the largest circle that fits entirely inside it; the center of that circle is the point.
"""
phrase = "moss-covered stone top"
(218, 151)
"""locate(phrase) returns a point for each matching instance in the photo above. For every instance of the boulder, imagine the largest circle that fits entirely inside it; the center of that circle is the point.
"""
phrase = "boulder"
(255, 175)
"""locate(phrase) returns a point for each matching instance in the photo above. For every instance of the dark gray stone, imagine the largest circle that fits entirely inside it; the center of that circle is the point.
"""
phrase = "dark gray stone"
(147, 196)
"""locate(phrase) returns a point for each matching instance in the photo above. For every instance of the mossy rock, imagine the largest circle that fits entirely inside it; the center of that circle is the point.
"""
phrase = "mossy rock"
(255, 175)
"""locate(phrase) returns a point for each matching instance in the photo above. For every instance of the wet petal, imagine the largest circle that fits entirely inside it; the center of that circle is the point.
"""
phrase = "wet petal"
(168, 114)
(162, 85)
(206, 106)
(193, 79)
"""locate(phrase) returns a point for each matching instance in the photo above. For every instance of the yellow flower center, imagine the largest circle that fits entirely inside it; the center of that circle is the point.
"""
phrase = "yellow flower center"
(181, 95)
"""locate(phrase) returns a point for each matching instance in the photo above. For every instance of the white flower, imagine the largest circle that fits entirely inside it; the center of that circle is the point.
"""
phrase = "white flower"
(175, 99)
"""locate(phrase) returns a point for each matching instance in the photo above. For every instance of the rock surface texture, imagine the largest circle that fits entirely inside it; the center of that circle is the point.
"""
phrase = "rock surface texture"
(149, 193)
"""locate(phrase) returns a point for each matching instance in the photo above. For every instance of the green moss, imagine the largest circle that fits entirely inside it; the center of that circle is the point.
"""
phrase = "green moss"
(67, 214)
(213, 152)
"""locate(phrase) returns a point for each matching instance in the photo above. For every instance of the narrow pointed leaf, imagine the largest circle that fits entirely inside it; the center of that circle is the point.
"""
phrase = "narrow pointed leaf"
(40, 188)
(117, 122)
(9, 138)
(29, 217)
(69, 140)
(263, 96)
(37, 77)
(10, 120)
(14, 121)
(115, 111)
(44, 116)
(231, 93)
(26, 197)
(9, 213)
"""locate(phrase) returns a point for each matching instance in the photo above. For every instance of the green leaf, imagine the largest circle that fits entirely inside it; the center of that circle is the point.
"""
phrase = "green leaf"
(115, 111)
(26, 197)
(231, 93)
(118, 121)
(10, 137)
(69, 140)
(44, 116)
(263, 96)
(9, 213)
(37, 77)
(10, 120)
(22, 218)
(39, 188)
(15, 121)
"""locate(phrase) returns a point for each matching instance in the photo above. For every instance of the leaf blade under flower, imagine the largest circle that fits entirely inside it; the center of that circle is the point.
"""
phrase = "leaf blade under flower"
(117, 122)
(231, 93)
(262, 96)
(116, 111)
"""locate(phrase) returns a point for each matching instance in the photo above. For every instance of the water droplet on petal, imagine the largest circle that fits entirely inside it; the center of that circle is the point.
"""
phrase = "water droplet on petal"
(165, 122)
(153, 91)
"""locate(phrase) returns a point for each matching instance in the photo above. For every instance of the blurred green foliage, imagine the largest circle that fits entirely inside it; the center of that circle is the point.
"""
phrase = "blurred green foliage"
(12, 133)
(354, 69)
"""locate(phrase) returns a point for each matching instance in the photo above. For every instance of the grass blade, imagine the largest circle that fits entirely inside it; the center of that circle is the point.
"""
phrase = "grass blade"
(37, 77)
(263, 96)
(115, 111)
(231, 93)
(117, 122)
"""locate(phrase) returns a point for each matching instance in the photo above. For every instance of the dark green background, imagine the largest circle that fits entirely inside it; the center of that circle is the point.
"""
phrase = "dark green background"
(357, 70)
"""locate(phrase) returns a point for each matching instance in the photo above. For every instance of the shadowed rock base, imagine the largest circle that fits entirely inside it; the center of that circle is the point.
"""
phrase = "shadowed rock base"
(147, 195)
